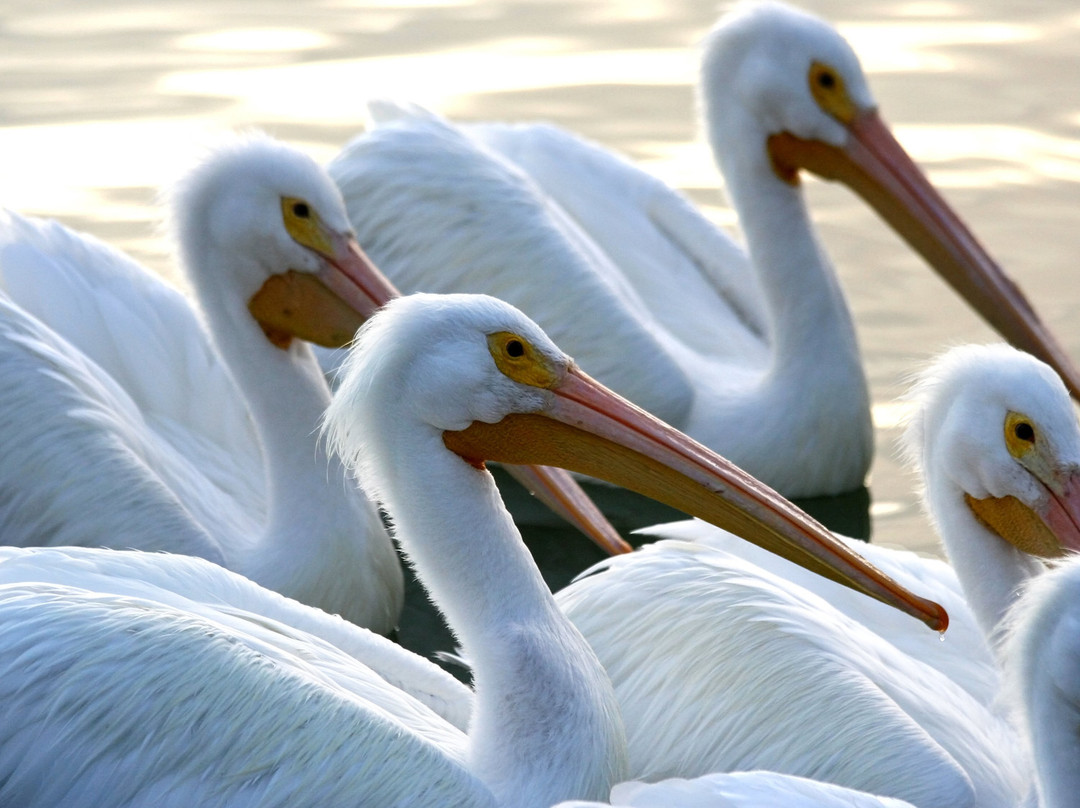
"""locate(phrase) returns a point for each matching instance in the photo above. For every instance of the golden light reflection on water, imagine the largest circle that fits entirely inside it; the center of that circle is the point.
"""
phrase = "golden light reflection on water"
(334, 91)
(891, 415)
(87, 19)
(880, 509)
(365, 5)
(997, 155)
(896, 46)
(83, 159)
(255, 40)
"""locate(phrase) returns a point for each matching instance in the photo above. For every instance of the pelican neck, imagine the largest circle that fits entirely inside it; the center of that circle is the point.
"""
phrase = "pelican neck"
(545, 725)
(314, 541)
(806, 307)
(991, 571)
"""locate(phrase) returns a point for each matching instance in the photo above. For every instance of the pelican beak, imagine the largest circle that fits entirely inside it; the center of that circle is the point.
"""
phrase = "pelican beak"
(874, 165)
(589, 429)
(561, 494)
(1063, 514)
(327, 308)
(1049, 530)
(324, 307)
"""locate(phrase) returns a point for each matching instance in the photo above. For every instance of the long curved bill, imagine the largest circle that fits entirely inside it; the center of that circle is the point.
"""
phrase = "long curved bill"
(875, 166)
(561, 494)
(327, 308)
(591, 430)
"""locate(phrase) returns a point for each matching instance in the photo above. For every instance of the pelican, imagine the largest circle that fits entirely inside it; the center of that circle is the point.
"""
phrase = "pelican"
(1042, 653)
(128, 699)
(130, 424)
(988, 569)
(792, 677)
(752, 353)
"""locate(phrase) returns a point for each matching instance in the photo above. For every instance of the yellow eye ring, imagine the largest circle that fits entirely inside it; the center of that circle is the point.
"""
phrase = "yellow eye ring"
(303, 224)
(828, 88)
(1020, 435)
(519, 360)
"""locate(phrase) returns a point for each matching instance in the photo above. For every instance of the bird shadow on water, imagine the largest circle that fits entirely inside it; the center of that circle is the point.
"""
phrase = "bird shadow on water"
(562, 553)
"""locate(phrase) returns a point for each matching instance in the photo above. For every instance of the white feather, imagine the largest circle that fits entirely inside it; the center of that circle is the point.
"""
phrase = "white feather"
(1042, 653)
(739, 790)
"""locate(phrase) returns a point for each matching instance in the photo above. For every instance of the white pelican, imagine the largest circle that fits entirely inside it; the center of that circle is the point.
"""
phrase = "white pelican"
(1042, 662)
(129, 424)
(789, 676)
(126, 424)
(949, 454)
(127, 699)
(754, 354)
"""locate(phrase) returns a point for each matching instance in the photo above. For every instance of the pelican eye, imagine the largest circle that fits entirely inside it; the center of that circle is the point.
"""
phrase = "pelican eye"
(303, 224)
(1019, 434)
(519, 360)
(829, 91)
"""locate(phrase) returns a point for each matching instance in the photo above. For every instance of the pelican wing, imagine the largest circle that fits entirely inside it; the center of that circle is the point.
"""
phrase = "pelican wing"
(141, 332)
(962, 653)
(200, 587)
(65, 420)
(747, 790)
(154, 705)
(438, 212)
(654, 234)
(739, 790)
(784, 683)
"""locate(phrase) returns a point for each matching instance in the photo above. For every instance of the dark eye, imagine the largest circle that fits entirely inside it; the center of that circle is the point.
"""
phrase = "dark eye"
(514, 348)
(1024, 432)
(826, 80)
(301, 210)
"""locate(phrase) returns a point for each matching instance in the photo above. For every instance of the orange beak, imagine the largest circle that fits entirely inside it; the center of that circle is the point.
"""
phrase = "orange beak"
(1063, 514)
(589, 429)
(874, 165)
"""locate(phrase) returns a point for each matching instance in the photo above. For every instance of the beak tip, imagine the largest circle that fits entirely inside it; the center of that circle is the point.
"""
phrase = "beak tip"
(938, 618)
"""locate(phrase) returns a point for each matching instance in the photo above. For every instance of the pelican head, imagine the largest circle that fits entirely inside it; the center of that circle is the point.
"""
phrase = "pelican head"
(273, 218)
(479, 377)
(782, 91)
(788, 70)
(996, 427)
